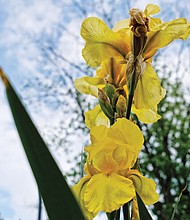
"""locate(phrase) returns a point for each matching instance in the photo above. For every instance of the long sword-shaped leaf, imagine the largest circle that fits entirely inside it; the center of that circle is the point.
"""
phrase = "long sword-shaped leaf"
(143, 212)
(58, 199)
(126, 212)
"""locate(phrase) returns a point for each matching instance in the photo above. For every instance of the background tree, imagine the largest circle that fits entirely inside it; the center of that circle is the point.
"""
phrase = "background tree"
(166, 154)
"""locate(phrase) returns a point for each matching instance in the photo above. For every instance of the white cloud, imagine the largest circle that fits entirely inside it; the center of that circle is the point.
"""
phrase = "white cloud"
(24, 23)
(142, 4)
(30, 16)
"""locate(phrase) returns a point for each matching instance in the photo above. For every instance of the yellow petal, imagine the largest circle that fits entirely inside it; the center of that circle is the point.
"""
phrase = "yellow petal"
(125, 157)
(155, 24)
(114, 70)
(78, 191)
(94, 53)
(100, 73)
(98, 134)
(105, 163)
(147, 116)
(96, 117)
(123, 24)
(186, 35)
(148, 92)
(100, 140)
(151, 9)
(126, 132)
(104, 144)
(89, 85)
(122, 27)
(169, 32)
(145, 187)
(101, 42)
(89, 169)
(123, 134)
(108, 192)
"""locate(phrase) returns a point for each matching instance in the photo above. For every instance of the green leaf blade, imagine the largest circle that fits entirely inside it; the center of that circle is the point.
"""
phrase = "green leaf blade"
(143, 212)
(57, 196)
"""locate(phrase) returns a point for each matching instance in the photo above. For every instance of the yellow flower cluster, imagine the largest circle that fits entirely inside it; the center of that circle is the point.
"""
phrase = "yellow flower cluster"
(112, 50)
(111, 176)
(110, 182)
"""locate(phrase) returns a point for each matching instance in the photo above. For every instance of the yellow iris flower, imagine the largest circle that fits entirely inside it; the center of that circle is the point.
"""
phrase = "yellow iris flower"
(110, 182)
(96, 117)
(104, 44)
(147, 95)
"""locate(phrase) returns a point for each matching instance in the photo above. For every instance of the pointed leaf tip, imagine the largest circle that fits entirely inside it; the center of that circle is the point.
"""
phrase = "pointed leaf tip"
(4, 78)
(143, 212)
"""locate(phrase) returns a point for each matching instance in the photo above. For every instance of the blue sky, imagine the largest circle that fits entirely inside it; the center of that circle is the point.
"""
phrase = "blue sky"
(23, 23)
(5, 199)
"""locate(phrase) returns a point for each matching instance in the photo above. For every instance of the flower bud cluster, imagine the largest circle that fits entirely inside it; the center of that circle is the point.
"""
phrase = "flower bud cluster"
(139, 22)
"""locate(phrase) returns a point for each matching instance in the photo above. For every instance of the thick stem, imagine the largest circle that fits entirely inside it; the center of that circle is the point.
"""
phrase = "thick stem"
(115, 215)
(132, 84)
(111, 121)
(126, 211)
(130, 97)
(137, 47)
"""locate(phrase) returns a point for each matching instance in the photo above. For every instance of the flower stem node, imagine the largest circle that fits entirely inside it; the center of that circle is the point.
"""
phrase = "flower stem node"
(121, 107)
(111, 93)
(130, 67)
(140, 66)
(105, 104)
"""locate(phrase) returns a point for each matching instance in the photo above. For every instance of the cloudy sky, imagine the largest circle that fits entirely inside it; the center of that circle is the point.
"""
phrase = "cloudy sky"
(25, 23)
